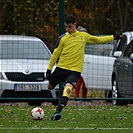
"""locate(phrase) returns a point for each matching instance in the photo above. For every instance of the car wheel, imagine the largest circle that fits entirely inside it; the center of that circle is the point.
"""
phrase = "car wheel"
(116, 94)
(114, 91)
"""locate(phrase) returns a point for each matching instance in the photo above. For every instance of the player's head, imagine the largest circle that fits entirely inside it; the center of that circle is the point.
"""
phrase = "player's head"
(70, 19)
(70, 24)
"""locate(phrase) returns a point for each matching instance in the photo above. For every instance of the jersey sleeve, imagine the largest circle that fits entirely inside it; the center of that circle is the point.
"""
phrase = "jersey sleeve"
(56, 54)
(99, 39)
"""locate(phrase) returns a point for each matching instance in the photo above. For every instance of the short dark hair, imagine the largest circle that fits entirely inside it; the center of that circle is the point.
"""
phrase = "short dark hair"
(70, 19)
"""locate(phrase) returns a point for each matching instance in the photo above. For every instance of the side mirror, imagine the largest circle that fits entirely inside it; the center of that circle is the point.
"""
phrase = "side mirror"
(131, 56)
(117, 54)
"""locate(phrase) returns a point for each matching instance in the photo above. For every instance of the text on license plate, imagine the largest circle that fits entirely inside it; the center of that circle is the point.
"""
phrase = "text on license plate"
(27, 87)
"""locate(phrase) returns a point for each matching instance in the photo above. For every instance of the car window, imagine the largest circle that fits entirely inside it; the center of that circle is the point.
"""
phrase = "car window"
(99, 49)
(19, 49)
(122, 44)
(129, 49)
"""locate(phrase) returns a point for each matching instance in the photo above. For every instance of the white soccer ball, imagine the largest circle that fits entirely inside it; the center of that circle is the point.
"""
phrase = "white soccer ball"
(37, 113)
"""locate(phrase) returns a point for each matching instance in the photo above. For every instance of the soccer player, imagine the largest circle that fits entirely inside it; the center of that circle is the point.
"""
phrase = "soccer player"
(69, 52)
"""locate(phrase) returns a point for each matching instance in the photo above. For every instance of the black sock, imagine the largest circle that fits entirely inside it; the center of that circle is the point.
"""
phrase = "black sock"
(62, 103)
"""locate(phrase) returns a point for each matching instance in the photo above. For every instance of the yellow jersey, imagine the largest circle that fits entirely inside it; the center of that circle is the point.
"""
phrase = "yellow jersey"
(70, 49)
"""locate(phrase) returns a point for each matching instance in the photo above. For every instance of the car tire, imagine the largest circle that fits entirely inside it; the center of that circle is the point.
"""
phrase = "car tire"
(116, 94)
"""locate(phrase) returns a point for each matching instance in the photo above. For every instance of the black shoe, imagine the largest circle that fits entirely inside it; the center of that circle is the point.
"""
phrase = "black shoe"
(56, 117)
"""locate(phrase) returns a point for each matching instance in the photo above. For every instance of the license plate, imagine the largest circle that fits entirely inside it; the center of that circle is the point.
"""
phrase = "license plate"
(27, 87)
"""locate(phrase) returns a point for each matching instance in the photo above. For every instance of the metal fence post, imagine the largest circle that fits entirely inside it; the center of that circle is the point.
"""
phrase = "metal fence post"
(61, 31)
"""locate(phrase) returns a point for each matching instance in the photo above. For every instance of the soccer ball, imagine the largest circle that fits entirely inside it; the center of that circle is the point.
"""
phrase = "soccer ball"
(37, 113)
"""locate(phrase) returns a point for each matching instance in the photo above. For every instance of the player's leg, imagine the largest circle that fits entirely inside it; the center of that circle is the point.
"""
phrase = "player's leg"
(50, 87)
(56, 78)
(66, 94)
(63, 101)
(69, 85)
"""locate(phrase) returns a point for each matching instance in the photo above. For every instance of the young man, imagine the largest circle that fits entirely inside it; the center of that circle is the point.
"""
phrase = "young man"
(69, 51)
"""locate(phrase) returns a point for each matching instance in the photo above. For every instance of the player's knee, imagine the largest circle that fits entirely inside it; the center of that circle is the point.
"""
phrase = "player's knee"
(50, 87)
(67, 90)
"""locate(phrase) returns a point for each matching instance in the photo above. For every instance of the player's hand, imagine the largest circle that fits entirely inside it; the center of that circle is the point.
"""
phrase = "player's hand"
(118, 36)
(48, 74)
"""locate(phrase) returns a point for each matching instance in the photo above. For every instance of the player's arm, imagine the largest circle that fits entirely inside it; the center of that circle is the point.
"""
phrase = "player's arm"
(102, 39)
(99, 39)
(54, 57)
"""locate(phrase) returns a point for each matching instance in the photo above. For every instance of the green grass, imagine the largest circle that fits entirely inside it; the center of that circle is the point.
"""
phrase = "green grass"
(92, 119)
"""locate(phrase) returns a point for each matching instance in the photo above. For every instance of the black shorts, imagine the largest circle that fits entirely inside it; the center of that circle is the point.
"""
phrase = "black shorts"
(64, 76)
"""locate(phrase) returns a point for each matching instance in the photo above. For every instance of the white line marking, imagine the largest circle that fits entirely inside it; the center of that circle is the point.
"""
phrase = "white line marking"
(34, 128)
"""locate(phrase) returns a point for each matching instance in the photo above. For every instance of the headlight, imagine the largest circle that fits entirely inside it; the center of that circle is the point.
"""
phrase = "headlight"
(1, 76)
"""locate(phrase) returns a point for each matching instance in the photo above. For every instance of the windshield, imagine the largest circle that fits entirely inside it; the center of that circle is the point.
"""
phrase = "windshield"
(99, 49)
(22, 49)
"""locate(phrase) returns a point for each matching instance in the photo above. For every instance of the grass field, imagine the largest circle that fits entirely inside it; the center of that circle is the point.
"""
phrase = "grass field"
(75, 119)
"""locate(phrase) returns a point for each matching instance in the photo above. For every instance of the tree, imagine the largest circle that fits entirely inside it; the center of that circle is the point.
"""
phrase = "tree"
(41, 18)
